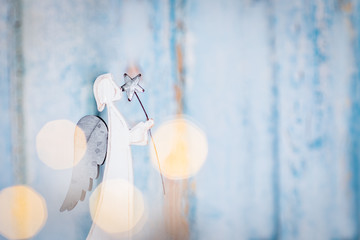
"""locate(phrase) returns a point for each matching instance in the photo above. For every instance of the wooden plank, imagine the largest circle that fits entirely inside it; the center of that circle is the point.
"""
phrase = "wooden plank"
(176, 204)
(63, 56)
(7, 177)
(65, 49)
(314, 68)
(19, 157)
(12, 140)
(150, 53)
(229, 94)
(353, 9)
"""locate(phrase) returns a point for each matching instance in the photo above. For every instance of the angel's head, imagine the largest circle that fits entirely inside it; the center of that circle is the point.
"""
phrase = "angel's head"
(105, 91)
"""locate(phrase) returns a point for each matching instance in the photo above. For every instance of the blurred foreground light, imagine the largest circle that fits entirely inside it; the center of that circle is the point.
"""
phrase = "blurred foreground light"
(116, 206)
(23, 212)
(55, 144)
(182, 148)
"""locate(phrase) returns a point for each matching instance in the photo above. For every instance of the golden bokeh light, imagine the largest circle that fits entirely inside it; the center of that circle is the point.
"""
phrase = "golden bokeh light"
(182, 148)
(116, 206)
(55, 144)
(23, 212)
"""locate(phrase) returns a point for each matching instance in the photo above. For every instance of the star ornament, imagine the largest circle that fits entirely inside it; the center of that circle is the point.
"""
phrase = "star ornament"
(131, 85)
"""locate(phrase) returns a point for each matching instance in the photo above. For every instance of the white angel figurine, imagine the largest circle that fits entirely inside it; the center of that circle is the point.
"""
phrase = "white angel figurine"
(115, 150)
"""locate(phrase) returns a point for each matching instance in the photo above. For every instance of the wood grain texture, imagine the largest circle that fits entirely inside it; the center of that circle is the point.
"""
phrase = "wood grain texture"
(63, 55)
(7, 176)
(176, 202)
(314, 72)
(273, 84)
(232, 101)
(353, 9)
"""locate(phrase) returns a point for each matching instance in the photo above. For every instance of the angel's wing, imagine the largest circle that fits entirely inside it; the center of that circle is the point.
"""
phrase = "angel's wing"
(87, 169)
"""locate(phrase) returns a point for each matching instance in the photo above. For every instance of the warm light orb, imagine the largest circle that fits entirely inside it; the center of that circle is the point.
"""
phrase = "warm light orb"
(55, 144)
(116, 206)
(23, 212)
(182, 148)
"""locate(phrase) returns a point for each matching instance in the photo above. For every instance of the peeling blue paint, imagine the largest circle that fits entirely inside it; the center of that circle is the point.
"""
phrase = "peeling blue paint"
(354, 121)
(262, 78)
(6, 174)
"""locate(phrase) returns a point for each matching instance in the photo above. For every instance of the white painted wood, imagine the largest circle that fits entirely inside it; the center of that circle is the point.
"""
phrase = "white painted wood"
(118, 163)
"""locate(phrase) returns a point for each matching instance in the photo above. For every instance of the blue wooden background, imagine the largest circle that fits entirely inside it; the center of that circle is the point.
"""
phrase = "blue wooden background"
(275, 85)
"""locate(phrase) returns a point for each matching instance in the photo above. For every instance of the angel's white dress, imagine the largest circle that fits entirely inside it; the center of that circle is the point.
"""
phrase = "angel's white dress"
(118, 162)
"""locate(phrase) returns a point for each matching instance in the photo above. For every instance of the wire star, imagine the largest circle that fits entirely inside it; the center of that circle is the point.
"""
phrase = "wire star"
(131, 85)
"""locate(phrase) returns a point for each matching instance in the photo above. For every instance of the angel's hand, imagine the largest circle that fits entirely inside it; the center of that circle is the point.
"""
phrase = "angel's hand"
(139, 133)
(149, 123)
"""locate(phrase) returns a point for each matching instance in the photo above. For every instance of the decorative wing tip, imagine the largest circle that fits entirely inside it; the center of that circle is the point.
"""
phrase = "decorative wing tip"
(83, 194)
(68, 206)
(63, 208)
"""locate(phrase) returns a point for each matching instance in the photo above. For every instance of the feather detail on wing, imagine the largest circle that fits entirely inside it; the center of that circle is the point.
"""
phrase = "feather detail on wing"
(87, 169)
